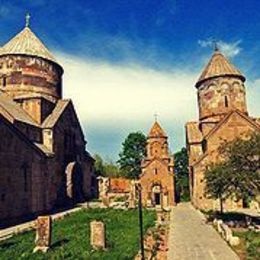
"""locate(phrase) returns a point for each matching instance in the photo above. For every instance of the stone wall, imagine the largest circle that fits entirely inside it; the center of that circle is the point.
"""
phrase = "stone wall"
(26, 76)
(160, 179)
(219, 96)
(21, 168)
(32, 82)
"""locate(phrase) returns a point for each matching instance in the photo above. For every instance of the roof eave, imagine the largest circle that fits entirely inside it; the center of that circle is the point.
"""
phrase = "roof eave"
(200, 82)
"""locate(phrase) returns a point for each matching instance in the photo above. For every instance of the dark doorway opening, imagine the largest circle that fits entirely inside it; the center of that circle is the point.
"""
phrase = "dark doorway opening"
(74, 182)
(157, 198)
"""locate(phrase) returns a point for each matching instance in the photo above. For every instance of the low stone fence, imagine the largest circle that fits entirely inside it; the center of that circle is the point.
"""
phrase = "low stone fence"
(156, 238)
(225, 231)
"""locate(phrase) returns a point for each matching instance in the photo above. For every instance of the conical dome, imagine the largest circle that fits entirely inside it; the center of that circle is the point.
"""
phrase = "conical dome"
(218, 66)
(157, 131)
(27, 43)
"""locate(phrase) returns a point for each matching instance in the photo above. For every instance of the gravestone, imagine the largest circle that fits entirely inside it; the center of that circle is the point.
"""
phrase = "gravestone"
(43, 234)
(97, 235)
(132, 195)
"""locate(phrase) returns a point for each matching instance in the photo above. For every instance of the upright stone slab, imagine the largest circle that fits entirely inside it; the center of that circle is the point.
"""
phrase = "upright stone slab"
(43, 234)
(132, 195)
(97, 235)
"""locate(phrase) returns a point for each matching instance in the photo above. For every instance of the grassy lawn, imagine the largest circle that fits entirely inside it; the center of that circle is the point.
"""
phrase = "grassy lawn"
(71, 238)
(249, 247)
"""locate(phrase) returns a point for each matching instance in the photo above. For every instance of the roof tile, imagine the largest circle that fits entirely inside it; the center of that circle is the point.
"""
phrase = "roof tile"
(219, 65)
(27, 43)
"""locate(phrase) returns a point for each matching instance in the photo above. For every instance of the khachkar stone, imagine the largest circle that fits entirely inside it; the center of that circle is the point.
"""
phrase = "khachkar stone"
(43, 234)
(97, 235)
(132, 200)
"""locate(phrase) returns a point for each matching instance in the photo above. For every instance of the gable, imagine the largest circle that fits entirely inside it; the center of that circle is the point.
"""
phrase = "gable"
(233, 125)
(14, 137)
(64, 114)
(159, 164)
(13, 111)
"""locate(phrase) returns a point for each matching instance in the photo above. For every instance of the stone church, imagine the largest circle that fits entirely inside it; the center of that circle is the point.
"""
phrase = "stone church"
(223, 115)
(157, 177)
(43, 160)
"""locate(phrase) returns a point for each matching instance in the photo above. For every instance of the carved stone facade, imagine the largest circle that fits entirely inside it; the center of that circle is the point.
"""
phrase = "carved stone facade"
(223, 116)
(157, 178)
(43, 160)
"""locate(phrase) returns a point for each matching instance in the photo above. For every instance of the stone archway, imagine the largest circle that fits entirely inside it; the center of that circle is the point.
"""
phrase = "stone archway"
(157, 195)
(74, 182)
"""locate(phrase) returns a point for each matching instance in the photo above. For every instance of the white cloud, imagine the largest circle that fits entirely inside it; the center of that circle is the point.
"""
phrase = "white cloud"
(112, 100)
(230, 49)
(103, 91)
(121, 99)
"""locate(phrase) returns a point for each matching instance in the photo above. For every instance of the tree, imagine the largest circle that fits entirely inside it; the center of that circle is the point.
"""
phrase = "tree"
(181, 171)
(106, 168)
(217, 183)
(99, 165)
(133, 151)
(238, 174)
(243, 159)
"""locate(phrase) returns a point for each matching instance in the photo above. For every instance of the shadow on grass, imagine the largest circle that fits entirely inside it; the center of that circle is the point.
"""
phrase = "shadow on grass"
(60, 243)
(231, 216)
(6, 245)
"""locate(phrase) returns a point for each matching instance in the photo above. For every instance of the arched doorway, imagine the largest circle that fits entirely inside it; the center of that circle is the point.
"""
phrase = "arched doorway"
(157, 195)
(74, 182)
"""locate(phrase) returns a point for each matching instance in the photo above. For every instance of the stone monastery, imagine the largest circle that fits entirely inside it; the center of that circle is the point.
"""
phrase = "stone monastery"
(43, 158)
(223, 116)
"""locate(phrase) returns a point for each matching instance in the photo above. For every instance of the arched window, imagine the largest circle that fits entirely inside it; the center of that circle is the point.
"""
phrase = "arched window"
(204, 146)
(226, 101)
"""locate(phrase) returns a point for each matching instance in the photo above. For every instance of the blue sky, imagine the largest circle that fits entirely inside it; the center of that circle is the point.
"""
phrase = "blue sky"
(136, 50)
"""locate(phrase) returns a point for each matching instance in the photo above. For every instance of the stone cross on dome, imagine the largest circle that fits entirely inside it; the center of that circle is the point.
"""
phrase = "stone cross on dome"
(215, 45)
(155, 117)
(27, 20)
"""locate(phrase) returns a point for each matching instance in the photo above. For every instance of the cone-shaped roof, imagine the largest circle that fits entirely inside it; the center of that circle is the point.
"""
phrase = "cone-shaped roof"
(27, 43)
(218, 66)
(157, 131)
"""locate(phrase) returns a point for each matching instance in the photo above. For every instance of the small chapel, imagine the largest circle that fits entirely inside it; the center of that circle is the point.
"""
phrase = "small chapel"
(223, 116)
(43, 160)
(157, 177)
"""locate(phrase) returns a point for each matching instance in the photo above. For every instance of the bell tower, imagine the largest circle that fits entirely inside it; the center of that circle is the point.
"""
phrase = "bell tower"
(157, 145)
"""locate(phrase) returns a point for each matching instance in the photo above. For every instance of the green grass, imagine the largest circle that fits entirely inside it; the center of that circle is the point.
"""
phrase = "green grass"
(250, 245)
(71, 238)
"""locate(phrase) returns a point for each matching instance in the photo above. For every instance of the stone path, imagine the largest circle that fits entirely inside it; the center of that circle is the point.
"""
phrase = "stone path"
(191, 238)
